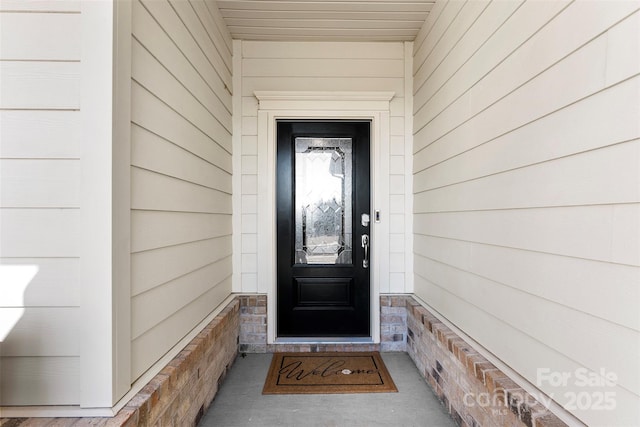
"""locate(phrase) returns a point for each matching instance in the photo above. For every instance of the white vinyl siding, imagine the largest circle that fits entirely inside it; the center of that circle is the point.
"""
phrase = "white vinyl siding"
(527, 186)
(181, 172)
(39, 202)
(323, 66)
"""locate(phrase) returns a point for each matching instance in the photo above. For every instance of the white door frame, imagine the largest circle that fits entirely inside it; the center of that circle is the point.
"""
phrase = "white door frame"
(274, 105)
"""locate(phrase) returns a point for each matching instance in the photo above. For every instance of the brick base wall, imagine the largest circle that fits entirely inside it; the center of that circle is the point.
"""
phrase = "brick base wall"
(253, 329)
(474, 391)
(393, 323)
(253, 324)
(182, 391)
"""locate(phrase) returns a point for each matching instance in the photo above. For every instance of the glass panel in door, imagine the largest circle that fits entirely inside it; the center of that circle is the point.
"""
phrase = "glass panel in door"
(323, 205)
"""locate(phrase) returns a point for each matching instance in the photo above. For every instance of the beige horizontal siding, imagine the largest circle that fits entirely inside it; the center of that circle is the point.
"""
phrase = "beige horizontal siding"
(40, 183)
(582, 179)
(40, 381)
(53, 282)
(181, 173)
(156, 229)
(249, 86)
(155, 305)
(545, 275)
(56, 38)
(150, 113)
(46, 233)
(157, 154)
(537, 142)
(40, 172)
(37, 134)
(321, 50)
(45, 6)
(424, 68)
(312, 67)
(175, 260)
(56, 328)
(526, 185)
(176, 195)
(150, 346)
(150, 74)
(35, 85)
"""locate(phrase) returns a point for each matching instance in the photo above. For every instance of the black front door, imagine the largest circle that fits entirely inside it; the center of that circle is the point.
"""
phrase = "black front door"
(323, 231)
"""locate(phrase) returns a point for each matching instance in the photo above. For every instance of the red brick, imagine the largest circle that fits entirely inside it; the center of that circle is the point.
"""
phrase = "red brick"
(444, 336)
(462, 351)
(419, 311)
(398, 301)
(504, 386)
(126, 417)
(481, 368)
(491, 378)
(548, 420)
(536, 408)
(431, 323)
(456, 345)
(472, 359)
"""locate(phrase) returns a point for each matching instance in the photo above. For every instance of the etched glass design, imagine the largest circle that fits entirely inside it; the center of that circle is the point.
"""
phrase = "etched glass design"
(323, 206)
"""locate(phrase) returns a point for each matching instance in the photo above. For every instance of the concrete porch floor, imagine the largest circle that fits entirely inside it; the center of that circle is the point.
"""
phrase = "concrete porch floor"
(240, 402)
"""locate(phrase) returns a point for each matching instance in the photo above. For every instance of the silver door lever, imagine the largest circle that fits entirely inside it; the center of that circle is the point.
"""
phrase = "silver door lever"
(365, 245)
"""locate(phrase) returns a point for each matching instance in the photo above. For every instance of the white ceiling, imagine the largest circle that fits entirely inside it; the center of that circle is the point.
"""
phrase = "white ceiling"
(354, 20)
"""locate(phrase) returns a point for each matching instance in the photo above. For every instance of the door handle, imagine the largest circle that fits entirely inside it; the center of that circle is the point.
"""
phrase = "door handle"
(365, 245)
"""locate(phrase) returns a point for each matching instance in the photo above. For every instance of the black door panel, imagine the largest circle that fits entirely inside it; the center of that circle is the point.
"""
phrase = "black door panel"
(323, 188)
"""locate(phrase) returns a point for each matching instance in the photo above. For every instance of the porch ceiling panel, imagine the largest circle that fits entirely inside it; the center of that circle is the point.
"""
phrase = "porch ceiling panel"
(325, 20)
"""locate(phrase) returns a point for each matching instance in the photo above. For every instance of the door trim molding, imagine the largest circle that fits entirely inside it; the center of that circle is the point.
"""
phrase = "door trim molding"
(327, 105)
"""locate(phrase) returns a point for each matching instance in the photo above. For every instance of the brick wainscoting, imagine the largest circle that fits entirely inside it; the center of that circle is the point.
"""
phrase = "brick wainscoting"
(253, 324)
(182, 391)
(474, 391)
(393, 323)
(253, 329)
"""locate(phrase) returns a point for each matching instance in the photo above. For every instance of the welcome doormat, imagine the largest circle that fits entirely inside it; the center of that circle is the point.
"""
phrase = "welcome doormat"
(324, 373)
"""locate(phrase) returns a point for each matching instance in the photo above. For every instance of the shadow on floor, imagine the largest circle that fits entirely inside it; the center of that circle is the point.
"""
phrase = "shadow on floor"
(240, 402)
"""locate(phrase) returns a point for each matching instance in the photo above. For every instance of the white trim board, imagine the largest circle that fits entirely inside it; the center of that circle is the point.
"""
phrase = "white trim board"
(97, 334)
(308, 105)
